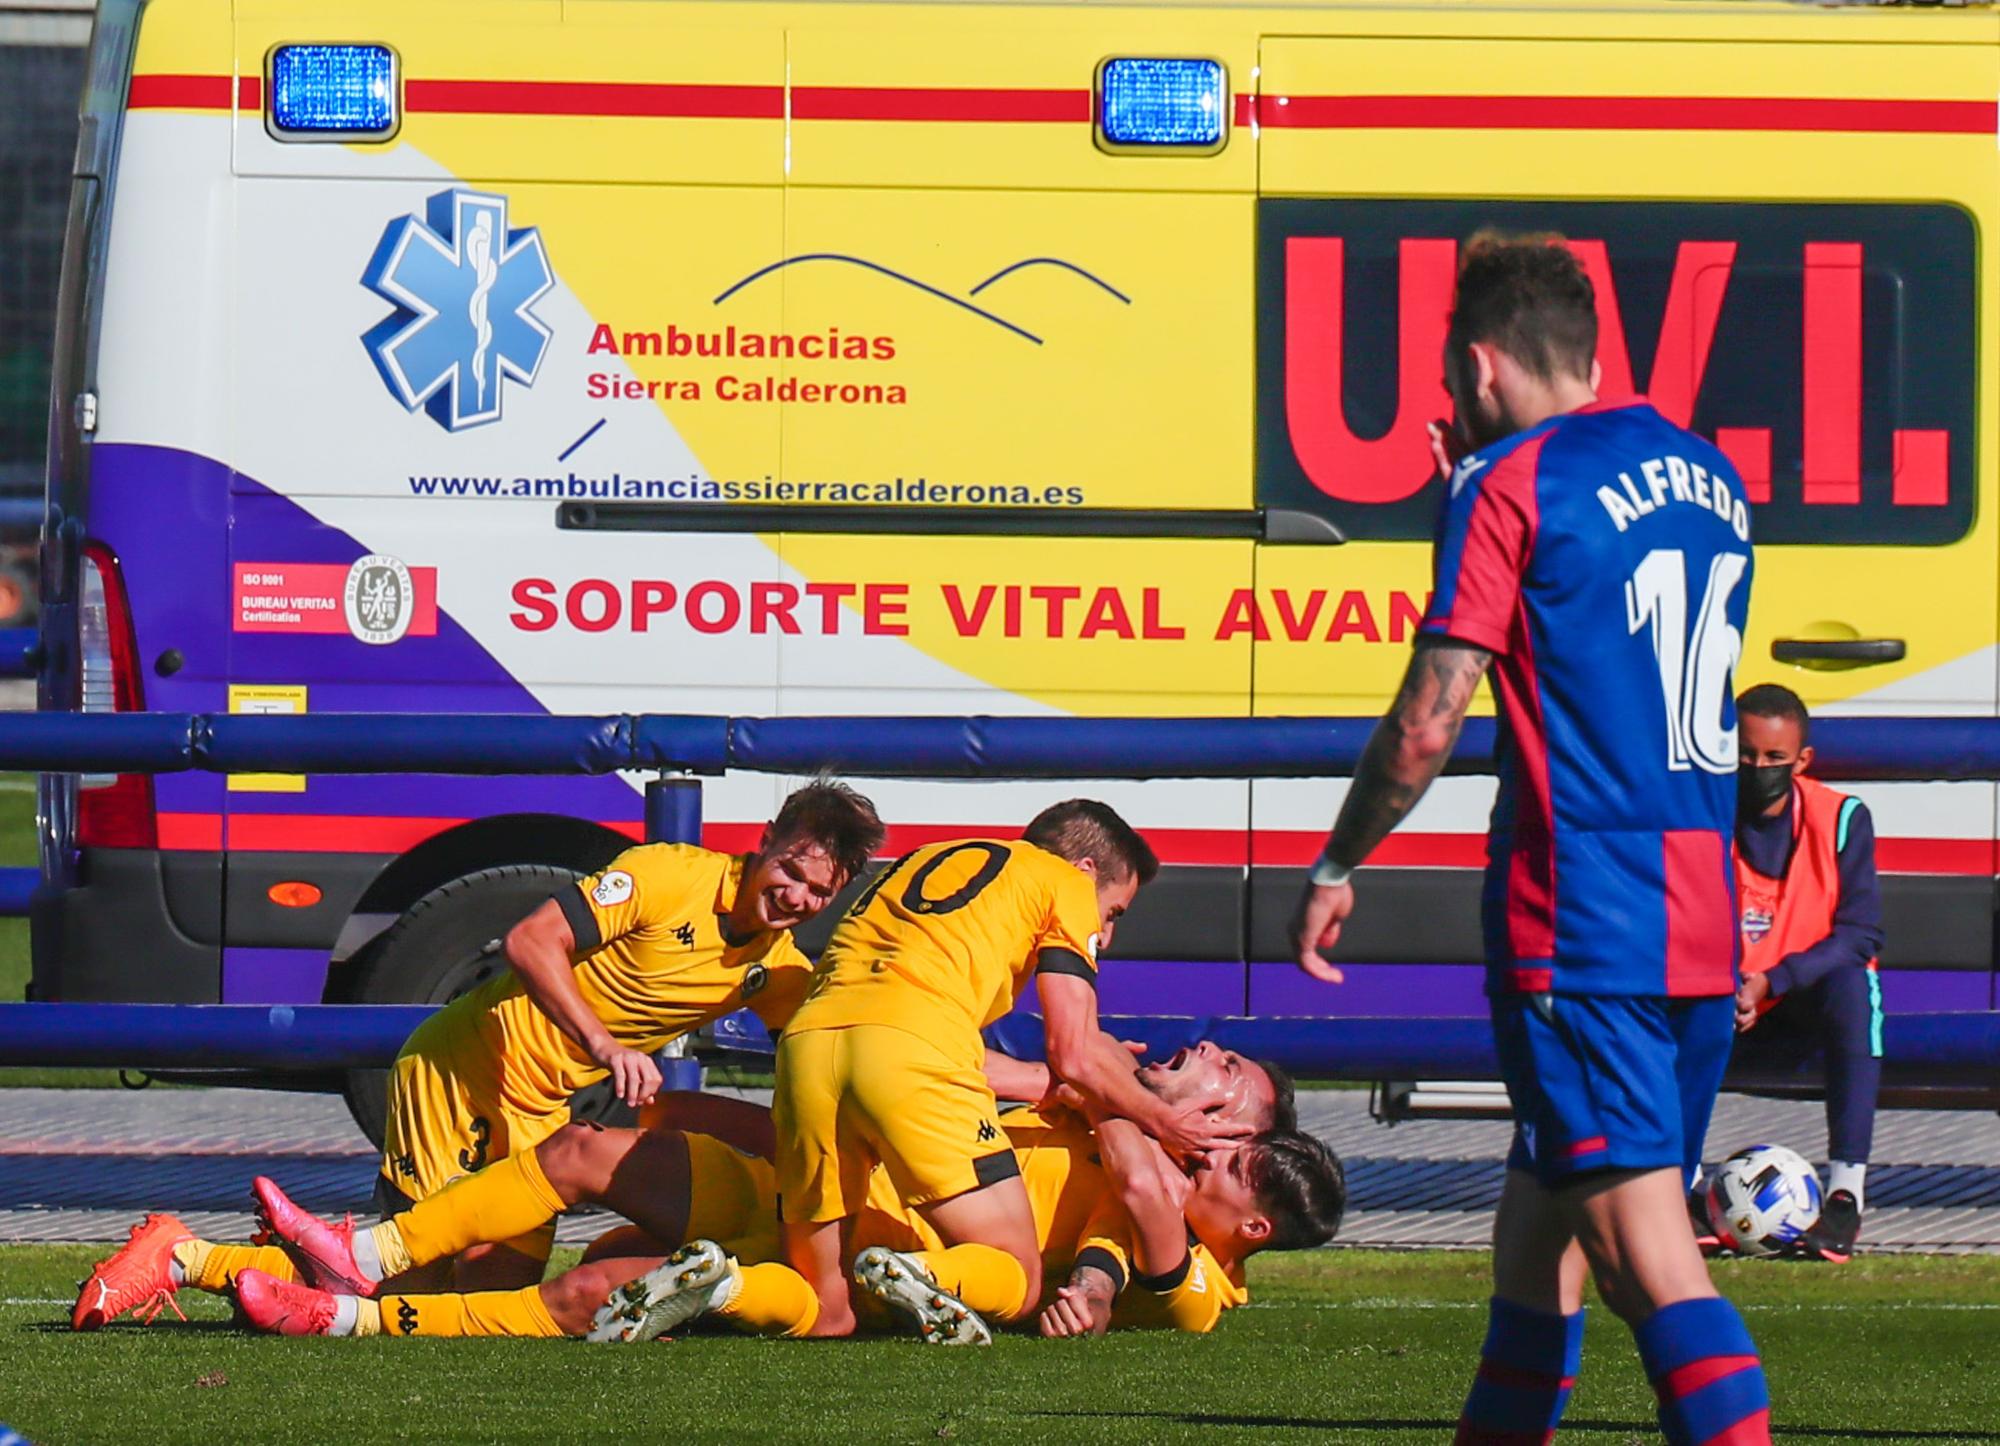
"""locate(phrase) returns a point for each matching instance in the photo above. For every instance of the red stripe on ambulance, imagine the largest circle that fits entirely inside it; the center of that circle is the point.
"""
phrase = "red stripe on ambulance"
(1625, 113)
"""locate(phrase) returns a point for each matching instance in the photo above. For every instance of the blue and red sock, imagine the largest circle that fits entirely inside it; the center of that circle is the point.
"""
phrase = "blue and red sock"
(1705, 1371)
(1526, 1370)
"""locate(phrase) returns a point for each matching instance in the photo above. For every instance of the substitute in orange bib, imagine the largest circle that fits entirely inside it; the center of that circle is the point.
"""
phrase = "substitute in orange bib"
(1812, 927)
(666, 939)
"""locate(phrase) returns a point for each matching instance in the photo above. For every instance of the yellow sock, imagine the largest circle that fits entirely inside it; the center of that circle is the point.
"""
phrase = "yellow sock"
(367, 1316)
(502, 1201)
(771, 1300)
(983, 1276)
(214, 1267)
(488, 1313)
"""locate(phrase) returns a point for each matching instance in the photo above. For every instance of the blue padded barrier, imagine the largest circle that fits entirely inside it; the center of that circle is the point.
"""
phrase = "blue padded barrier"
(207, 1036)
(1070, 747)
(689, 741)
(1903, 749)
(1919, 1048)
(1906, 749)
(97, 742)
(20, 652)
(17, 890)
(414, 743)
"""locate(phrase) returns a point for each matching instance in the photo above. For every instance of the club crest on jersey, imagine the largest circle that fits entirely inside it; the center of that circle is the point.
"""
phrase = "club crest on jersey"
(754, 980)
(464, 287)
(1756, 924)
(614, 888)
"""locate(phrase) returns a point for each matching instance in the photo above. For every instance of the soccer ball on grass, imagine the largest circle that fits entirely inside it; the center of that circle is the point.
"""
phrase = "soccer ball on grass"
(1762, 1199)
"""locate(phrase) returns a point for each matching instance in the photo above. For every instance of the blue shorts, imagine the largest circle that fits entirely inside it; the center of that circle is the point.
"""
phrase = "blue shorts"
(1610, 1083)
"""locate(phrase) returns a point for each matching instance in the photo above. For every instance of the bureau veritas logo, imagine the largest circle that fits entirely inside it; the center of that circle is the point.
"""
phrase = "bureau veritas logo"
(379, 599)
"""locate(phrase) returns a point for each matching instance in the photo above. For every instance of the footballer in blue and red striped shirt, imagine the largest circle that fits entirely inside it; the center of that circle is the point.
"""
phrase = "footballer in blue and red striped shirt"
(1595, 559)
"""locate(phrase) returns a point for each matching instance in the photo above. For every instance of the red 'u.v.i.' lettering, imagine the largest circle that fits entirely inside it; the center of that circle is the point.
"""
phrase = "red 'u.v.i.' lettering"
(1388, 468)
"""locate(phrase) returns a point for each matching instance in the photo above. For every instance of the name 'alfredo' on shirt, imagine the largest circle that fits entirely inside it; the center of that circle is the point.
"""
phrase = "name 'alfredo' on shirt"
(1603, 558)
(1672, 479)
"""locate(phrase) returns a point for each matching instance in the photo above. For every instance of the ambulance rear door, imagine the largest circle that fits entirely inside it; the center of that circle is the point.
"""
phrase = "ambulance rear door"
(1784, 235)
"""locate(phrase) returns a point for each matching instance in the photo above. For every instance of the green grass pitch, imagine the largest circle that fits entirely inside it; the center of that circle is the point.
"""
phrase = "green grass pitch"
(1345, 1346)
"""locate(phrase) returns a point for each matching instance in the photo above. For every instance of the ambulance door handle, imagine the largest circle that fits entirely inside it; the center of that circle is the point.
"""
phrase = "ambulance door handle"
(1283, 525)
(1843, 650)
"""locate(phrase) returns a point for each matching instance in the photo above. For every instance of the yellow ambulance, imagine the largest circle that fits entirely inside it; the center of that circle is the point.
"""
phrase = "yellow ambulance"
(944, 358)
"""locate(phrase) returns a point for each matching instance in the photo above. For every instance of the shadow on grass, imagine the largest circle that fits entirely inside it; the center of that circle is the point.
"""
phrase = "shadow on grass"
(125, 1328)
(1570, 1426)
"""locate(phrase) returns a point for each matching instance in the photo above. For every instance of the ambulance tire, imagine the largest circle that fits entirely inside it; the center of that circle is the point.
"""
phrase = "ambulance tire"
(445, 944)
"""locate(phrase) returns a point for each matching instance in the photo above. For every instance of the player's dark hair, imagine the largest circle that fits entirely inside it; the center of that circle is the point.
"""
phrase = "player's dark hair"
(1284, 1103)
(1082, 828)
(1527, 294)
(1775, 700)
(1300, 1186)
(829, 813)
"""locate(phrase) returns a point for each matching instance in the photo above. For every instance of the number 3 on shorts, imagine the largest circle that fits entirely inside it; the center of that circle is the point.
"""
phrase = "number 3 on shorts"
(1697, 667)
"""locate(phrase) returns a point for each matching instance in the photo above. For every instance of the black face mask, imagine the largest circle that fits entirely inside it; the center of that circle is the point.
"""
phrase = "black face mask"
(1758, 788)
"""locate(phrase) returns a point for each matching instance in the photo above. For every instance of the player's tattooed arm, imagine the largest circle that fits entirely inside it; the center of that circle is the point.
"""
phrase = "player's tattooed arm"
(1407, 750)
(1082, 1307)
(1409, 747)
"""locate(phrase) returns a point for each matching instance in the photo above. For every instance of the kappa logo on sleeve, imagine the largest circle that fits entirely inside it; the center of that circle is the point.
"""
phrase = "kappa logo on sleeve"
(613, 889)
(464, 287)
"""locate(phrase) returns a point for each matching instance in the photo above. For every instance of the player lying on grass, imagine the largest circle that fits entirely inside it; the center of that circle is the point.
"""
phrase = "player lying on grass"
(881, 1065)
(665, 940)
(1106, 1210)
(643, 1173)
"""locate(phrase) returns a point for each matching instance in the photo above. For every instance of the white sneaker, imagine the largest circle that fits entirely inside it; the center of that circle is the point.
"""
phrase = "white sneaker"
(694, 1280)
(903, 1285)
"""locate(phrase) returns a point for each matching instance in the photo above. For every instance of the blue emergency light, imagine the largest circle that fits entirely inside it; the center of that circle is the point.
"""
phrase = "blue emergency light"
(1153, 103)
(333, 91)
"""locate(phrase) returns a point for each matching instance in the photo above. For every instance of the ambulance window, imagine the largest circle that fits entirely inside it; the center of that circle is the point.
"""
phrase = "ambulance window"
(1828, 349)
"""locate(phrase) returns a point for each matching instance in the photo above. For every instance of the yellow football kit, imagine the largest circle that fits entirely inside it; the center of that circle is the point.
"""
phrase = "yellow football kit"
(884, 1062)
(491, 1074)
(1078, 1221)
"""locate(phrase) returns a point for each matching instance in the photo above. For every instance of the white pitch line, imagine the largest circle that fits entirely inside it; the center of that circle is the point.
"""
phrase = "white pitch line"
(29, 1300)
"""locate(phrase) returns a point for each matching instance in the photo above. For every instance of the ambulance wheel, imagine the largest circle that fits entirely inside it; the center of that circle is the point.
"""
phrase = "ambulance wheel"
(445, 944)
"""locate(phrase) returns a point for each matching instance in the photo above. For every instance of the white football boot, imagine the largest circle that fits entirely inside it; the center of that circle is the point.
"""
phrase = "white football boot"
(693, 1281)
(907, 1288)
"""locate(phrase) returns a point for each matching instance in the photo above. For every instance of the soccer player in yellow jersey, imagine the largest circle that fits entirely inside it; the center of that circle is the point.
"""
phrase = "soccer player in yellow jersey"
(882, 1062)
(667, 938)
(1099, 1225)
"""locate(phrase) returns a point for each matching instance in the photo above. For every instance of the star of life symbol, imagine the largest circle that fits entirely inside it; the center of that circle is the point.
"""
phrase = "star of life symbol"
(464, 287)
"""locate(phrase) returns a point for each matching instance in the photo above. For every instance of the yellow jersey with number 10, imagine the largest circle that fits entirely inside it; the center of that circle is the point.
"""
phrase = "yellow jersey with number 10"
(945, 939)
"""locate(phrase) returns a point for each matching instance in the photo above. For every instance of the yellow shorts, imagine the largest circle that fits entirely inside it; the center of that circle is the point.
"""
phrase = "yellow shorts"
(440, 1127)
(733, 1200)
(852, 1096)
